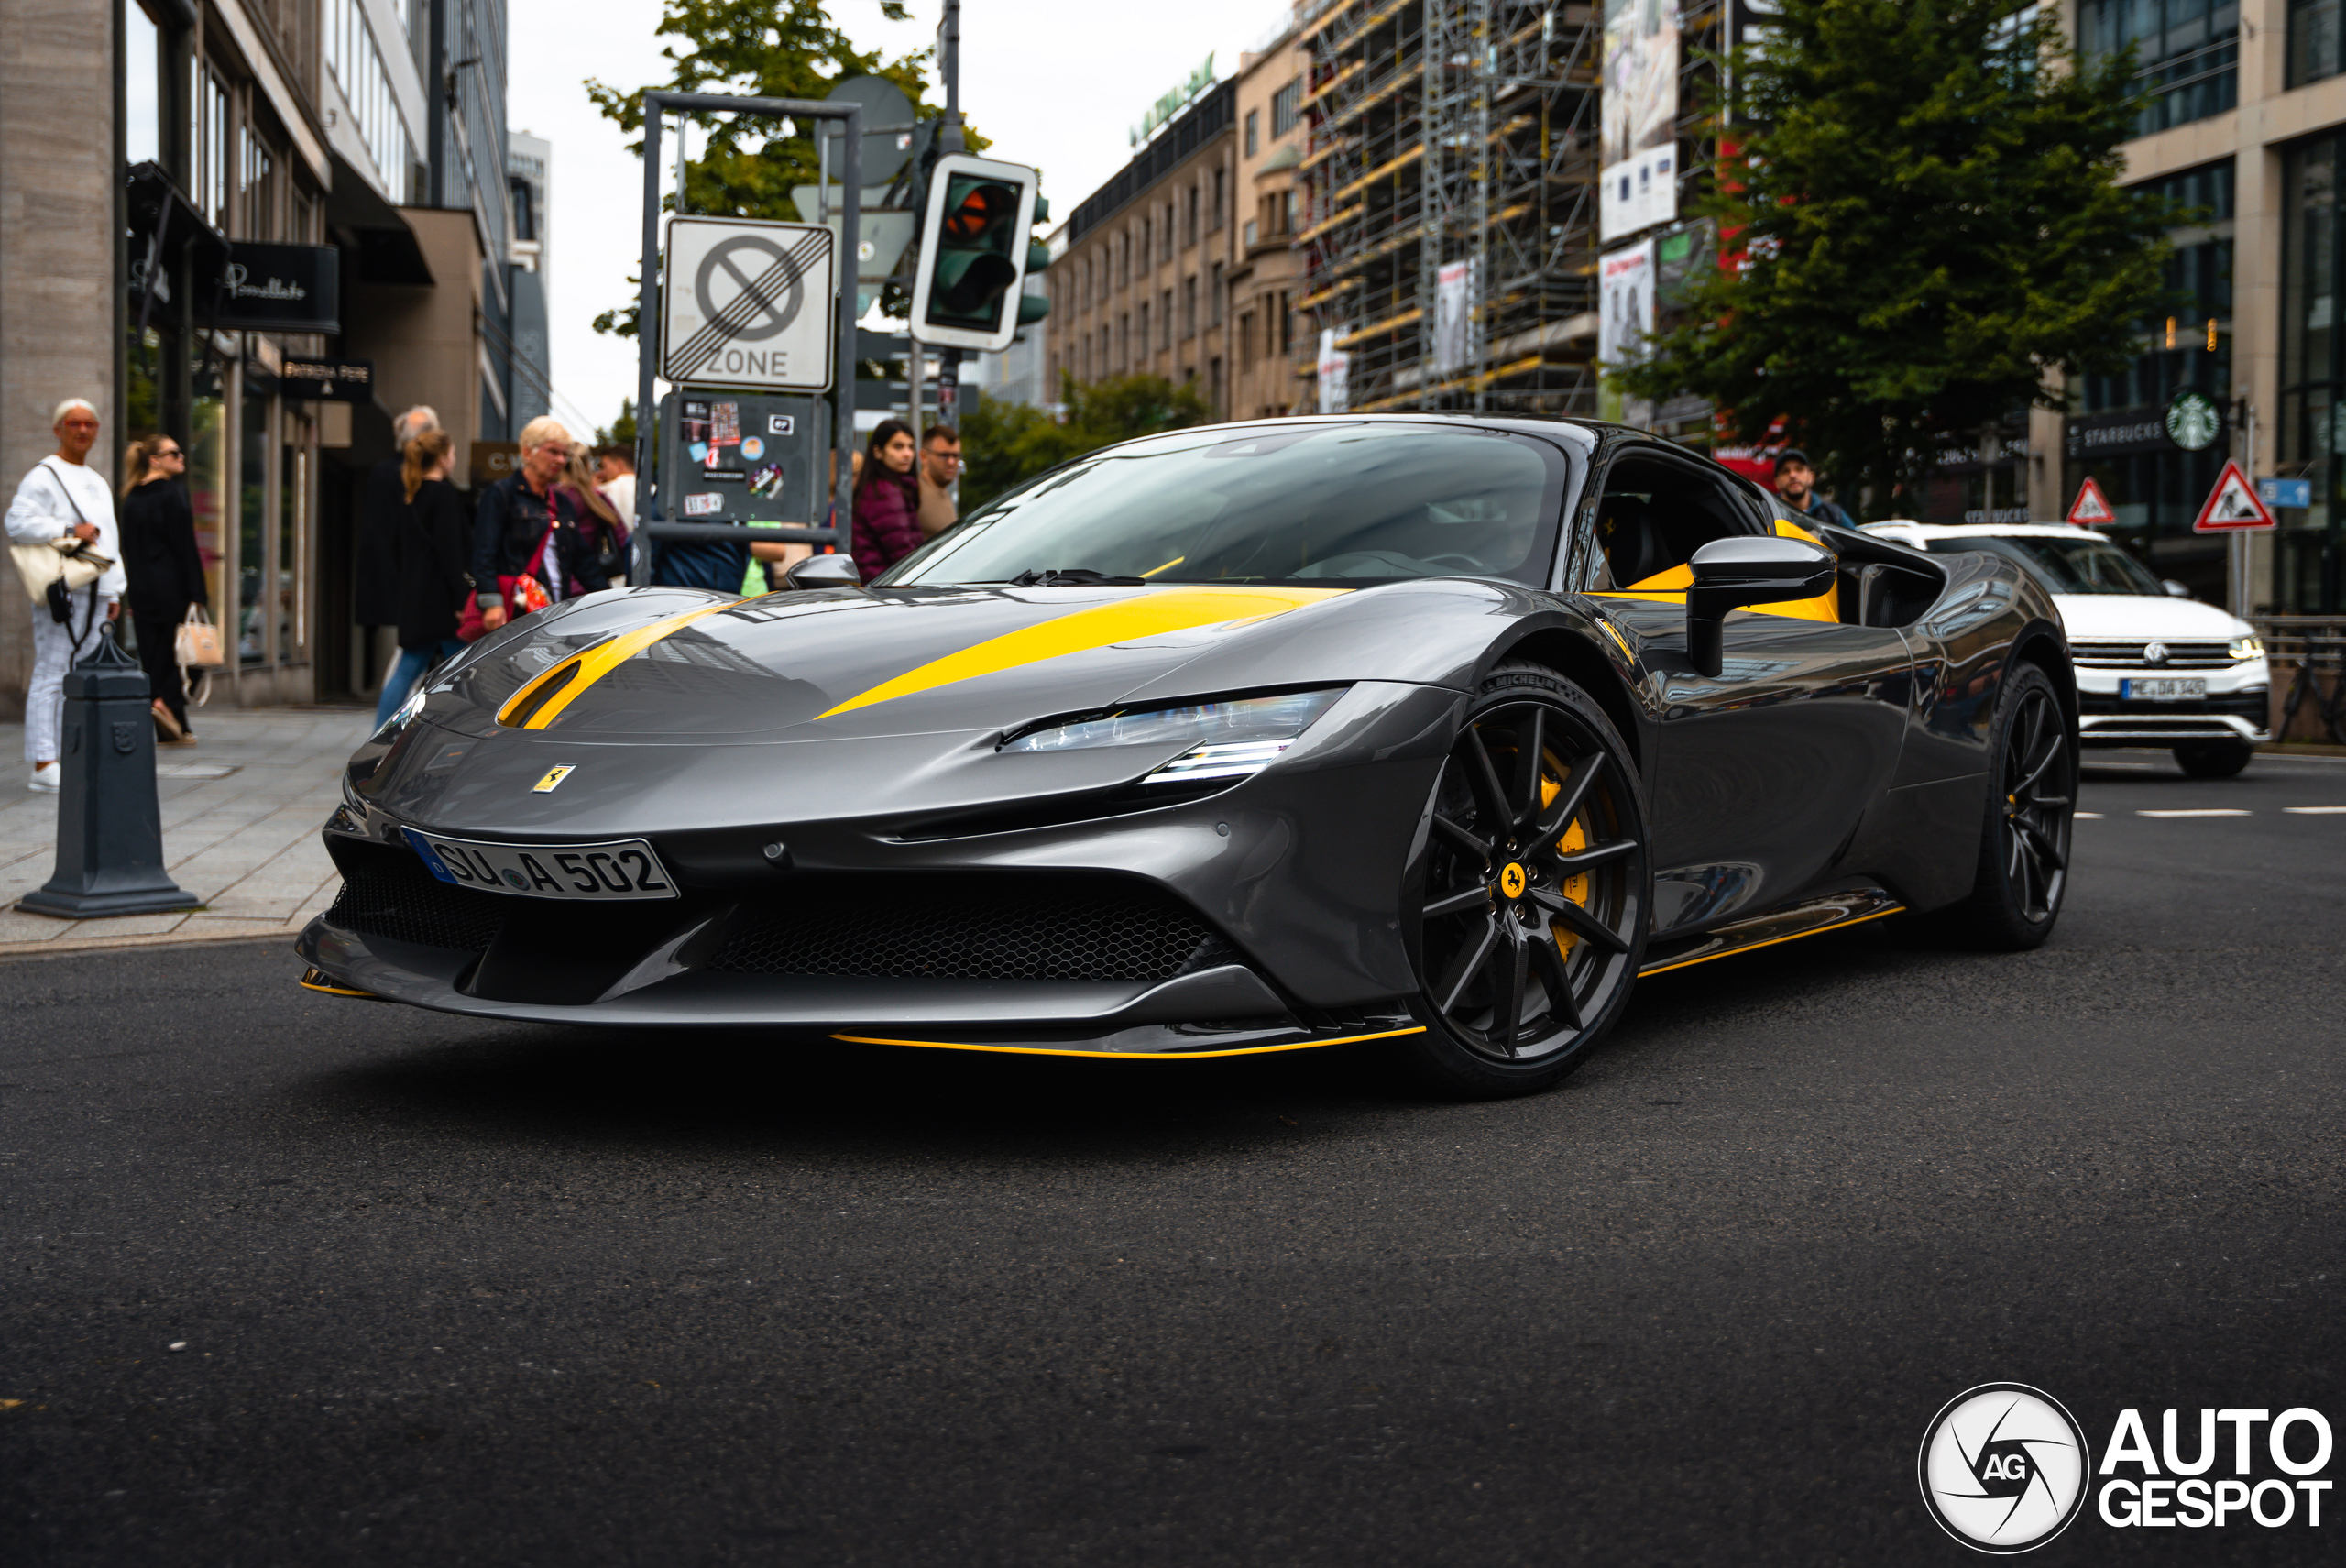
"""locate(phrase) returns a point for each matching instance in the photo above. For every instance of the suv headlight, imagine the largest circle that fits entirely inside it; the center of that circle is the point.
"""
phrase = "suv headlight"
(2243, 648)
(1220, 739)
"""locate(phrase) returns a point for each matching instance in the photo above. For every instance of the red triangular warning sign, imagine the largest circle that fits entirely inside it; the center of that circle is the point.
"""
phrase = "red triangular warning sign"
(2091, 509)
(2232, 504)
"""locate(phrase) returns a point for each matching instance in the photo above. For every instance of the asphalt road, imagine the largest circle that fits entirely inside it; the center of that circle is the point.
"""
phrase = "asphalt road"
(458, 1293)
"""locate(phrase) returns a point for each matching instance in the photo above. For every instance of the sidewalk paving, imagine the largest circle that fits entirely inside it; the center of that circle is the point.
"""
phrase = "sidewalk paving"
(241, 815)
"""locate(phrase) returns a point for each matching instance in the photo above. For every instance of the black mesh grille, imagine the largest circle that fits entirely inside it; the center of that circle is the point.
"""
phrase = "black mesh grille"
(2252, 704)
(386, 893)
(972, 928)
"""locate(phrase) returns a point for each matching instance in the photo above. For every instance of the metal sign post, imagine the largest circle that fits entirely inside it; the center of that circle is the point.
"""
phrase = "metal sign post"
(647, 319)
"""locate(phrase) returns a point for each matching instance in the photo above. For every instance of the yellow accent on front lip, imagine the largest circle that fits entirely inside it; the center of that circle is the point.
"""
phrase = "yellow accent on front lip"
(1129, 1055)
(596, 663)
(1146, 614)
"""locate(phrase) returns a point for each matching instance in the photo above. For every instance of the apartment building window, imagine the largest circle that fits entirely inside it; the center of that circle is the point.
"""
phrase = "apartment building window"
(2189, 52)
(1246, 337)
(256, 188)
(1141, 341)
(143, 88)
(356, 61)
(1213, 297)
(1286, 105)
(1125, 336)
(1251, 227)
(1221, 191)
(1287, 325)
(1254, 123)
(1168, 233)
(1189, 307)
(2317, 41)
(1190, 219)
(209, 110)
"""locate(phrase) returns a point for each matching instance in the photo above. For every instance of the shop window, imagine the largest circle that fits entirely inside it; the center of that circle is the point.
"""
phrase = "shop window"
(2187, 52)
(254, 532)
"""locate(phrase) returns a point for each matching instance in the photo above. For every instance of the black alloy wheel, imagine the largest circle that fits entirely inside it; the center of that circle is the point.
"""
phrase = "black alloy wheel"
(1530, 887)
(2024, 851)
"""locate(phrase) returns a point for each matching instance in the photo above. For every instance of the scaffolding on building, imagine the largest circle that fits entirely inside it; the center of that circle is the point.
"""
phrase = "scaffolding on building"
(1450, 131)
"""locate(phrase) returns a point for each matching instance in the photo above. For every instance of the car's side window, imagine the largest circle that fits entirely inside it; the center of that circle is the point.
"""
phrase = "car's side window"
(1653, 515)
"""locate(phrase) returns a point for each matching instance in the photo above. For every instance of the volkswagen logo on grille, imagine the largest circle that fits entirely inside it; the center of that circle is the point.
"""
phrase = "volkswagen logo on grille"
(2155, 654)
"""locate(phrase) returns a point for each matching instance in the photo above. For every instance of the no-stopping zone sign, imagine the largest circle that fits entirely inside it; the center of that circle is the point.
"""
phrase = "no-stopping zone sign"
(749, 304)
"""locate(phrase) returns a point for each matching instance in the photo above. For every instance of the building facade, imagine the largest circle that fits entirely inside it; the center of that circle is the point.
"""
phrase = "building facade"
(1143, 287)
(1266, 274)
(528, 169)
(285, 191)
(2246, 128)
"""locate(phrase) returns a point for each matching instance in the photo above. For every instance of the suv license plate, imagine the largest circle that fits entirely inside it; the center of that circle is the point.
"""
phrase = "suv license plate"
(621, 869)
(2173, 689)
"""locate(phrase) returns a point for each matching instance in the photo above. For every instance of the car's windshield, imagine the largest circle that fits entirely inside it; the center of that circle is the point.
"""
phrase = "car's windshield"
(2065, 565)
(1349, 503)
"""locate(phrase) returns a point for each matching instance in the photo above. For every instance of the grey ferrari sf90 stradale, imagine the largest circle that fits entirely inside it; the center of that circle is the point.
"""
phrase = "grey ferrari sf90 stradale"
(1437, 731)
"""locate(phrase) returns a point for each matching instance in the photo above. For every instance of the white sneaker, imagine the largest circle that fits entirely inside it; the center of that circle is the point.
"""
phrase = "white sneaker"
(45, 779)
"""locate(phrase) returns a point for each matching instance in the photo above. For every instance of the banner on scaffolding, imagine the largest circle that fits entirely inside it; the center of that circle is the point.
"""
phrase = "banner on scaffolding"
(1625, 299)
(1637, 138)
(1454, 308)
(1335, 373)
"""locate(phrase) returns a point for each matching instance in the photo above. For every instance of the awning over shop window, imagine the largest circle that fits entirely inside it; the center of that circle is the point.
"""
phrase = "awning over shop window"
(381, 243)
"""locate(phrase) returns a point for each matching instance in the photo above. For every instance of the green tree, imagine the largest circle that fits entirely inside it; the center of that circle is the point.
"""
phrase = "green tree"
(774, 49)
(620, 432)
(1007, 443)
(1931, 232)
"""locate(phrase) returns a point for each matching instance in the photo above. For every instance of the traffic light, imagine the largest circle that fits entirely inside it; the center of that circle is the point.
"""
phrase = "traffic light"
(974, 252)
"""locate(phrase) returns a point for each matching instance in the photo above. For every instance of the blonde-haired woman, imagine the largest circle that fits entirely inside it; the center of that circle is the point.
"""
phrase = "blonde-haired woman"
(429, 543)
(600, 526)
(164, 569)
(527, 552)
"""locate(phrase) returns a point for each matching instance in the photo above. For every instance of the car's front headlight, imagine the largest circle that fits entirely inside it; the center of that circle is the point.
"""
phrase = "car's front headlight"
(1220, 739)
(2246, 647)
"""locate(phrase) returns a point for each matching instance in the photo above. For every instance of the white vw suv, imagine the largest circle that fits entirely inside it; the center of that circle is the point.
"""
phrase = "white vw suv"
(2154, 666)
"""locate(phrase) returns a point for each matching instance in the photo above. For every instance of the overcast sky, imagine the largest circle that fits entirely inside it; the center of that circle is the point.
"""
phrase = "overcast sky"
(1056, 83)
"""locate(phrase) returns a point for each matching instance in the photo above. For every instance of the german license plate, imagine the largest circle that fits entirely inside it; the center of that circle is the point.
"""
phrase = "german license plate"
(2163, 688)
(621, 869)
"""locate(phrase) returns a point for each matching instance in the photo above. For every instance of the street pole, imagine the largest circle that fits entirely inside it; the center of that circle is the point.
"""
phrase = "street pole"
(851, 118)
(948, 31)
(2241, 598)
(914, 363)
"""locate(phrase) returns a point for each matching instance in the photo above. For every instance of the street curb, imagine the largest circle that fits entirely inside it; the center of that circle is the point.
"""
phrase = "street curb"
(10, 951)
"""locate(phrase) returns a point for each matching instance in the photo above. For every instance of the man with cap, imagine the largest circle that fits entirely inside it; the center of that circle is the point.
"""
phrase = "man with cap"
(1796, 487)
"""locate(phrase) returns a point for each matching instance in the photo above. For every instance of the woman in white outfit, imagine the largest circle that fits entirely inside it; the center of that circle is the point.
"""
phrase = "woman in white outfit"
(64, 495)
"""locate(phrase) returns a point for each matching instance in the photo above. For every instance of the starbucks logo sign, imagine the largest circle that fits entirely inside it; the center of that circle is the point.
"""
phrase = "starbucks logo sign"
(2192, 421)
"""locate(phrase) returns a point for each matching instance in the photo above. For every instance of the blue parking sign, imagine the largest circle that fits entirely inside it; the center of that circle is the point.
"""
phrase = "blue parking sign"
(2285, 492)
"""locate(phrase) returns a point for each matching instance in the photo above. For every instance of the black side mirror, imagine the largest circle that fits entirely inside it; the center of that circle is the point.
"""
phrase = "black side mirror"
(1732, 572)
(823, 571)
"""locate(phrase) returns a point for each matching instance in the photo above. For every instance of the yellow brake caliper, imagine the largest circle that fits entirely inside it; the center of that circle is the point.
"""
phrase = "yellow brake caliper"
(1577, 887)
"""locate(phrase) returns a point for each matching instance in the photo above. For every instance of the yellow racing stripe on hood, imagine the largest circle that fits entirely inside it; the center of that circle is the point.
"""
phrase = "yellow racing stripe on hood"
(583, 670)
(1147, 614)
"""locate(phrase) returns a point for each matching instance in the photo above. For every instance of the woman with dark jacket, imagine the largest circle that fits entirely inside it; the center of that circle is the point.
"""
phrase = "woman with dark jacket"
(164, 568)
(429, 545)
(887, 501)
(527, 550)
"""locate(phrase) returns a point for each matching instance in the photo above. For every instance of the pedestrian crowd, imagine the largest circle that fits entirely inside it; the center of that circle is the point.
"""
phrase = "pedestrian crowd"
(557, 527)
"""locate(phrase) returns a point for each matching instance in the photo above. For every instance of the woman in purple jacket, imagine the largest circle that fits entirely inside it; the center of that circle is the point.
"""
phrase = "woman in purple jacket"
(887, 501)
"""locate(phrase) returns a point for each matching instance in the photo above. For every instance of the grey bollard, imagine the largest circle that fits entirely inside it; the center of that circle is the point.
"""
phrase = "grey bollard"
(109, 824)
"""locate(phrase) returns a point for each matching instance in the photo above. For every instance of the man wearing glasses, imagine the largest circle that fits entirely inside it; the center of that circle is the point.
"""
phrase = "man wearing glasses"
(165, 571)
(941, 470)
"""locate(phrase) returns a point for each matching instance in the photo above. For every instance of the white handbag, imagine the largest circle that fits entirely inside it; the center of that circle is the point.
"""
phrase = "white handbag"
(67, 561)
